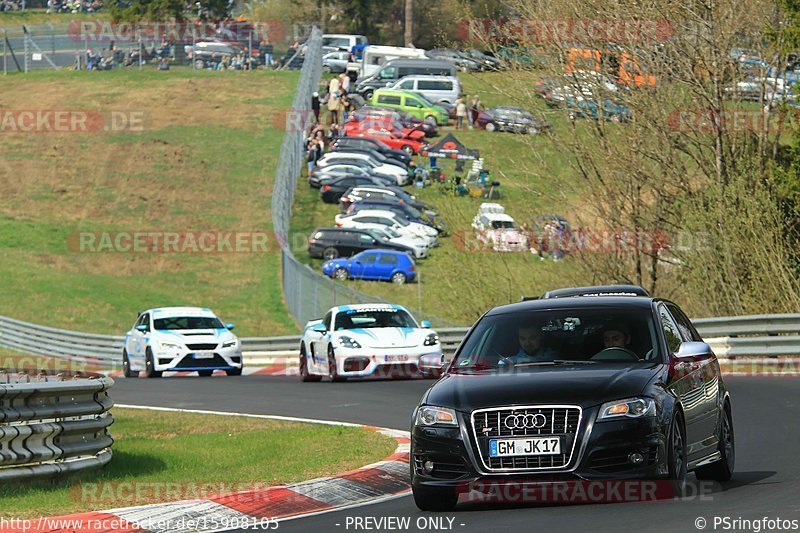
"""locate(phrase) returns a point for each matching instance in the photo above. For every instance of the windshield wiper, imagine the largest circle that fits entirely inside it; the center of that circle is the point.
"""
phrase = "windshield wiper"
(571, 361)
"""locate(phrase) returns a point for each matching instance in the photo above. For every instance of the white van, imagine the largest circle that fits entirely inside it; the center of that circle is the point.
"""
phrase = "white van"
(374, 57)
(342, 41)
(437, 89)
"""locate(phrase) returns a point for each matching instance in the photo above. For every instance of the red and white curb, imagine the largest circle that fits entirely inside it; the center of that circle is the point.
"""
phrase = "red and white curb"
(258, 509)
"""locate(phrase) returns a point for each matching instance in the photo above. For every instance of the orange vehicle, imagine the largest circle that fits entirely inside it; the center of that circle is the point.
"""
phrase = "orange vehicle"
(621, 66)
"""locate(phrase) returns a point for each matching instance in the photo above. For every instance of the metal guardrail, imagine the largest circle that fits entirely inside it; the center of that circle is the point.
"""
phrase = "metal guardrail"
(51, 425)
(730, 337)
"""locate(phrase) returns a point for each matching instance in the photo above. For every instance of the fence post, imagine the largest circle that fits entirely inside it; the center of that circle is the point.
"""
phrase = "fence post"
(5, 52)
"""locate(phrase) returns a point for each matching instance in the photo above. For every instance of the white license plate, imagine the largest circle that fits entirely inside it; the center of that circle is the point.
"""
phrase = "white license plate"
(394, 358)
(204, 355)
(530, 446)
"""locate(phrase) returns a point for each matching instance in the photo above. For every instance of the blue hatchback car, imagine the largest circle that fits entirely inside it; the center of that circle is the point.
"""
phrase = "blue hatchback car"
(383, 265)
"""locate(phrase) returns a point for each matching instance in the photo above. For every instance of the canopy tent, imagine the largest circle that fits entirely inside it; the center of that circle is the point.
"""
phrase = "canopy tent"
(450, 148)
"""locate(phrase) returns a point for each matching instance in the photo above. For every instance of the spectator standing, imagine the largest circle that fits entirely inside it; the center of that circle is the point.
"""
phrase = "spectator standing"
(475, 107)
(266, 50)
(334, 106)
(333, 86)
(315, 105)
(461, 114)
(344, 82)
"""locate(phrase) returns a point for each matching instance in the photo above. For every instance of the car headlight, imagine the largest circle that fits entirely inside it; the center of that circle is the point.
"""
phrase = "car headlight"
(348, 342)
(166, 345)
(630, 408)
(435, 416)
(431, 340)
(230, 344)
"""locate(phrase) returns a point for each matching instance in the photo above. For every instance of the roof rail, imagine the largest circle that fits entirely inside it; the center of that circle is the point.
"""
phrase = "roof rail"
(598, 290)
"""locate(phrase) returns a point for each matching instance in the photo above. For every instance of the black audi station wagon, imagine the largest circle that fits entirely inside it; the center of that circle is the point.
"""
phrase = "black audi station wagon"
(595, 383)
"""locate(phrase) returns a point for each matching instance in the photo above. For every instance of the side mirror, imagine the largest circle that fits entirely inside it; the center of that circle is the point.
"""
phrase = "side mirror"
(432, 365)
(230, 327)
(425, 323)
(688, 350)
(319, 328)
(141, 328)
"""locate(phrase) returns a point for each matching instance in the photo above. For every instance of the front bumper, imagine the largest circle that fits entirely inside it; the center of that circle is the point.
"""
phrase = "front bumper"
(185, 359)
(363, 363)
(601, 452)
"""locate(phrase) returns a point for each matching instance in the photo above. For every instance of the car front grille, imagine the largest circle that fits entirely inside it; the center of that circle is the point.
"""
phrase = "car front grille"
(561, 421)
(190, 362)
(202, 346)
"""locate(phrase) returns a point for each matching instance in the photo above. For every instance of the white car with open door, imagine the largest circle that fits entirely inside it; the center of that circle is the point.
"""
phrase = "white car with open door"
(184, 339)
(364, 339)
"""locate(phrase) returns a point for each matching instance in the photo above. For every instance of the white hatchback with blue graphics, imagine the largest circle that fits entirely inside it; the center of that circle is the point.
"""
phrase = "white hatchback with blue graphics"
(183, 339)
(365, 339)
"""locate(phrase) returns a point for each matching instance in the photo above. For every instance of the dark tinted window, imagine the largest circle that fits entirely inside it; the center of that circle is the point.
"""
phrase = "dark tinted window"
(327, 320)
(388, 259)
(368, 258)
(388, 100)
(671, 331)
(434, 85)
(684, 324)
(365, 238)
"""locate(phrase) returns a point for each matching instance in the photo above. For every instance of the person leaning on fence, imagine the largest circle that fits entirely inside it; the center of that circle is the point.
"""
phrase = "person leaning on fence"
(315, 105)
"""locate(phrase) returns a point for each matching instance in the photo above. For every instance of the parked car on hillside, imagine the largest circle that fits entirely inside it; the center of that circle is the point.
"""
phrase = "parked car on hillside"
(330, 243)
(499, 231)
(380, 265)
(513, 119)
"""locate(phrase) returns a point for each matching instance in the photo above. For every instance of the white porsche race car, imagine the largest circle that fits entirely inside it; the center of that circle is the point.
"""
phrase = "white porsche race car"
(360, 340)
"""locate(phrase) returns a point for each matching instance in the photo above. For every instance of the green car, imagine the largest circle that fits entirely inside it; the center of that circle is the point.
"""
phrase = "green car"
(414, 104)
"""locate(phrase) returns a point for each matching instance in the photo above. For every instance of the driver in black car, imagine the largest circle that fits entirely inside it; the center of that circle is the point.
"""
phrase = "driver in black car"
(532, 348)
(616, 335)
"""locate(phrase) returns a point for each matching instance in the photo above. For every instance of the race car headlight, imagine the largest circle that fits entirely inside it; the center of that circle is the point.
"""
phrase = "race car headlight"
(348, 342)
(230, 344)
(436, 416)
(431, 340)
(630, 408)
(166, 345)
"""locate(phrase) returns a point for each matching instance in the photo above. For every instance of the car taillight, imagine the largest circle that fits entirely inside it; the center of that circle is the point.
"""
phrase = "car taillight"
(312, 241)
(411, 268)
(339, 224)
(326, 188)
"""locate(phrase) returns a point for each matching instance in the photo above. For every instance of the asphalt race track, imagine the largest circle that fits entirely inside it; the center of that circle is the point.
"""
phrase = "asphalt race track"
(766, 483)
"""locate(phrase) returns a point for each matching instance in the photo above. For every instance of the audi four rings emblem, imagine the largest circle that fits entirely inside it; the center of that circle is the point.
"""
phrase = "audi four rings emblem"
(525, 421)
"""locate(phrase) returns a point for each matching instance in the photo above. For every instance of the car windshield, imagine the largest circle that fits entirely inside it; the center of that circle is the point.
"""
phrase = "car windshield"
(188, 322)
(552, 336)
(502, 224)
(374, 318)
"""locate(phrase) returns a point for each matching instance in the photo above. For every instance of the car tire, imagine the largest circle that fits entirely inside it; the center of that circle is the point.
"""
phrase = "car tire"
(330, 253)
(341, 274)
(721, 470)
(676, 455)
(326, 68)
(432, 121)
(532, 130)
(368, 95)
(126, 366)
(305, 376)
(149, 365)
(407, 149)
(199, 64)
(399, 278)
(205, 373)
(490, 127)
(332, 370)
(234, 372)
(435, 499)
